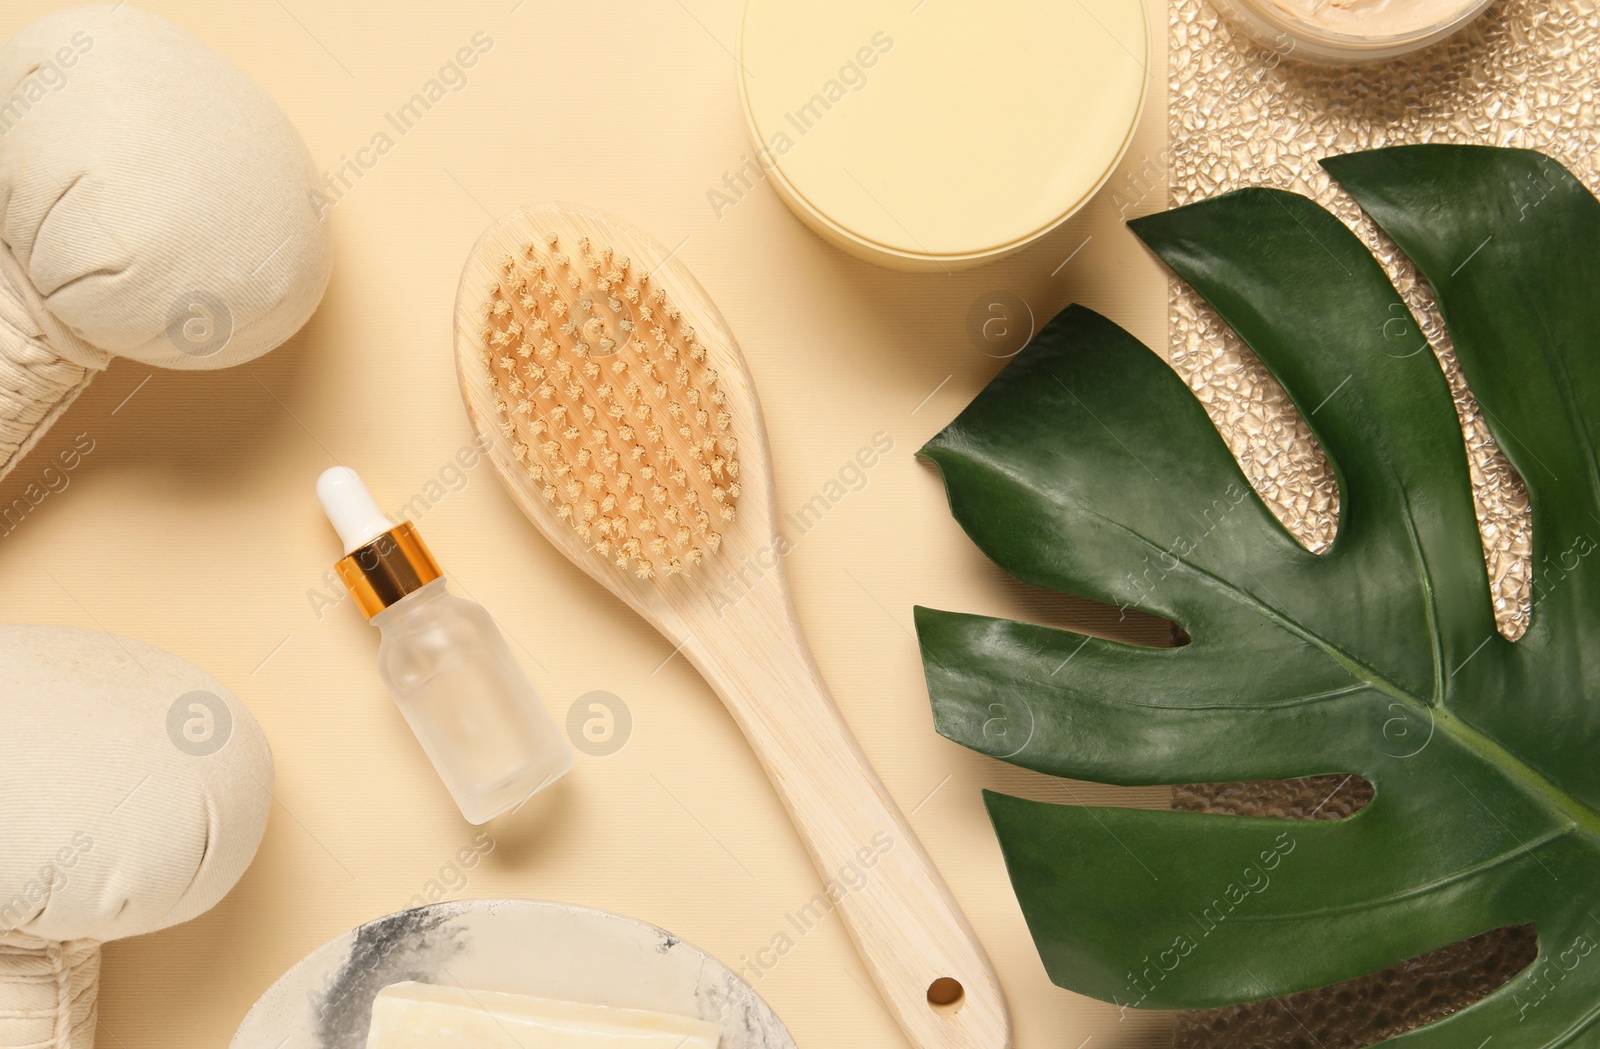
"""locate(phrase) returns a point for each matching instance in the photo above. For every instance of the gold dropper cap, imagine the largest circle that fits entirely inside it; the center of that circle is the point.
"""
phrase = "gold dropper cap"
(392, 565)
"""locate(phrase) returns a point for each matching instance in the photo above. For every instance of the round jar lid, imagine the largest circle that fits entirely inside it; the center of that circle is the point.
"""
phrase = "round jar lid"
(940, 132)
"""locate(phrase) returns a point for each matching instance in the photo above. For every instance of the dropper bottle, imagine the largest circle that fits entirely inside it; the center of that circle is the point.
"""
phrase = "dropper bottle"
(444, 661)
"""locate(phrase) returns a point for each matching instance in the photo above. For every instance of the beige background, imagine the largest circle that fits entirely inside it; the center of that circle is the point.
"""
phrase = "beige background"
(192, 524)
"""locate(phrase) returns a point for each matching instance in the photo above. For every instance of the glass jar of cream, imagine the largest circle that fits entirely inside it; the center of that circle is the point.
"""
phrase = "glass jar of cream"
(1332, 31)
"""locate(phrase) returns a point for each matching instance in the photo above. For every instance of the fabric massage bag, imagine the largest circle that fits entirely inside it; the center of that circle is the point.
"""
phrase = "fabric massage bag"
(155, 204)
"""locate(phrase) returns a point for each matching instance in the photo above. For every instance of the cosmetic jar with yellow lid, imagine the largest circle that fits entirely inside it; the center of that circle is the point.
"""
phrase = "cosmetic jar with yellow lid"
(939, 134)
(1347, 31)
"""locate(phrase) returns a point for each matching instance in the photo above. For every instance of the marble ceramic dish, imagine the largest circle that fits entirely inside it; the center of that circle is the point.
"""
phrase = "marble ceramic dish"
(520, 946)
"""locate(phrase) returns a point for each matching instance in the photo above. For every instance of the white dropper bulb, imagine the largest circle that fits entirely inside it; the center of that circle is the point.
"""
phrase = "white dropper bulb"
(350, 507)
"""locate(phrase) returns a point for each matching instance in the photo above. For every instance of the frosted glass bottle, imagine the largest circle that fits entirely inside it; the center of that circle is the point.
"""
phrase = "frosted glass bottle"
(444, 661)
(469, 703)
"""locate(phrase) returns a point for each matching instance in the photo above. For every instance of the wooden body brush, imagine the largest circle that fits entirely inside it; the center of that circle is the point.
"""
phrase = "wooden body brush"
(620, 415)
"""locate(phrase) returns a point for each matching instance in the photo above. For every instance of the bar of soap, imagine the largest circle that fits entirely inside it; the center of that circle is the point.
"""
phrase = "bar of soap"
(426, 1016)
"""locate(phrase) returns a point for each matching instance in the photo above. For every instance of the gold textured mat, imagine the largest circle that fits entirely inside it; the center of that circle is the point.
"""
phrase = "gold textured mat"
(1526, 74)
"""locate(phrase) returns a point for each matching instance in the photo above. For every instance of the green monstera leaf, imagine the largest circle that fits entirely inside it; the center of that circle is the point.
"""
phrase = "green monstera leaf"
(1088, 467)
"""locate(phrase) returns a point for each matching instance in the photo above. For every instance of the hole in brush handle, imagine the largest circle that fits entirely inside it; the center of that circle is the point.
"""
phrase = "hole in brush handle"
(946, 994)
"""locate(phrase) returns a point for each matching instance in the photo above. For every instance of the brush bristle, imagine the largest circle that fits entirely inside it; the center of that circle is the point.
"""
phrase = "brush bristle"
(608, 400)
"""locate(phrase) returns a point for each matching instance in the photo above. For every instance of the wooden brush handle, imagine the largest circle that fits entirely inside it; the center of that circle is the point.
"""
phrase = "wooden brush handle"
(908, 929)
